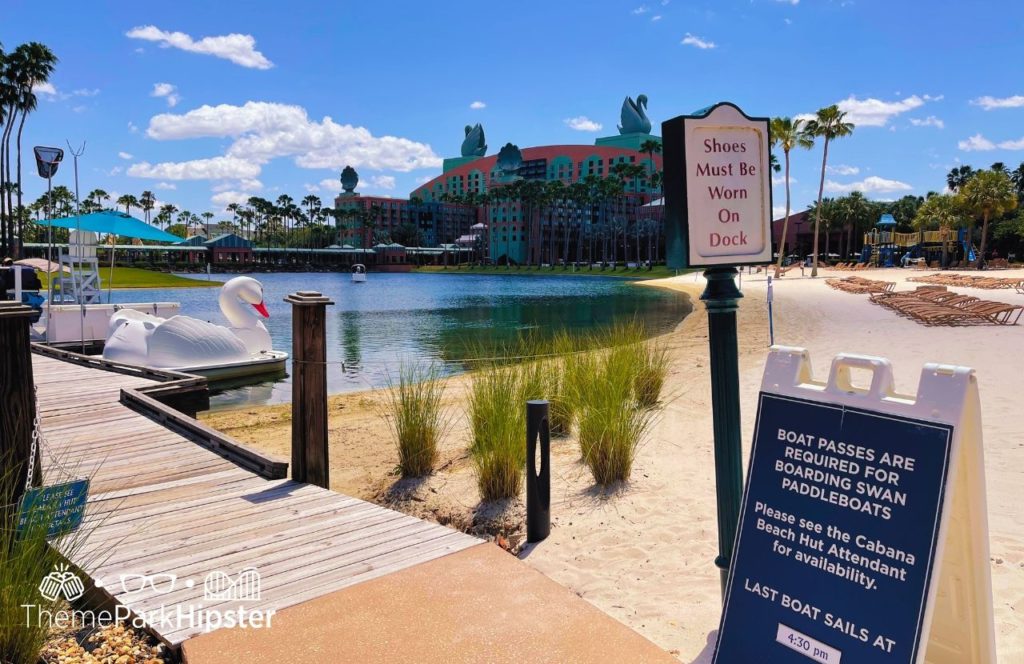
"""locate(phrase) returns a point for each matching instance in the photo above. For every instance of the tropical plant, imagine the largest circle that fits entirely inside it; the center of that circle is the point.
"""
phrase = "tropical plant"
(128, 201)
(416, 415)
(21, 72)
(828, 123)
(787, 134)
(958, 177)
(942, 211)
(989, 195)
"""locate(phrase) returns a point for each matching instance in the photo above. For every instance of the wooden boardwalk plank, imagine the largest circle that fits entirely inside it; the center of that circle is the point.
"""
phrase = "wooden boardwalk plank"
(162, 504)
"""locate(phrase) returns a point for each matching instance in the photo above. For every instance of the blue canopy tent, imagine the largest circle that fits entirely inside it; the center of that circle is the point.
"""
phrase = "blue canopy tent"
(112, 222)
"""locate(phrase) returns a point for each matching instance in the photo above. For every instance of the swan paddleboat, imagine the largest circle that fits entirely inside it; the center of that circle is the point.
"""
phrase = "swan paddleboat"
(190, 345)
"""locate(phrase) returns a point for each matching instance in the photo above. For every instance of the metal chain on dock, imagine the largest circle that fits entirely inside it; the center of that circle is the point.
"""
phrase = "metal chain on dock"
(37, 436)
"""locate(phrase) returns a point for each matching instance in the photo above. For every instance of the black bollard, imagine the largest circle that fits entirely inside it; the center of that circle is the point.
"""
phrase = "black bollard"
(538, 484)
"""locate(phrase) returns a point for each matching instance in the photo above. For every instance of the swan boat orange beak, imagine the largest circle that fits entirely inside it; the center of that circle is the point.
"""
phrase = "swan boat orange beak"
(262, 308)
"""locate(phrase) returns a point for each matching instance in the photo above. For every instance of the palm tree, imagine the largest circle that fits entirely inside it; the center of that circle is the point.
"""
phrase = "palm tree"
(313, 204)
(958, 177)
(28, 66)
(207, 216)
(828, 123)
(942, 211)
(990, 195)
(166, 213)
(1018, 179)
(651, 146)
(96, 198)
(787, 134)
(128, 201)
(147, 201)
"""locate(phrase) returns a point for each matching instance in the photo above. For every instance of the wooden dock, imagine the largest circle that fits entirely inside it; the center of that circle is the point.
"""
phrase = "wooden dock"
(191, 510)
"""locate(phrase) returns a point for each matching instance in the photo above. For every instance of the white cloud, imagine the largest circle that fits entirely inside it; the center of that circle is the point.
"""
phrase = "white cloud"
(477, 105)
(331, 184)
(423, 179)
(873, 112)
(642, 9)
(697, 42)
(583, 123)
(976, 143)
(311, 188)
(48, 89)
(167, 91)
(842, 169)
(789, 2)
(386, 182)
(781, 179)
(49, 92)
(656, 17)
(238, 48)
(165, 185)
(378, 182)
(988, 102)
(248, 184)
(870, 184)
(215, 168)
(124, 155)
(264, 131)
(225, 198)
(132, 128)
(779, 211)
(79, 109)
(930, 121)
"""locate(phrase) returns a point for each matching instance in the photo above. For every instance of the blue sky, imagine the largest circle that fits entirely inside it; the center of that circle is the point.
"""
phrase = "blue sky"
(205, 103)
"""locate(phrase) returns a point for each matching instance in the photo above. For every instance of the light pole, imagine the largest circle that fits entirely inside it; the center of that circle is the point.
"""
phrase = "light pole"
(47, 161)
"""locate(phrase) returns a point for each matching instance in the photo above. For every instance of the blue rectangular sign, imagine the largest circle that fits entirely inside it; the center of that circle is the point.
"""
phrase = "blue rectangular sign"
(59, 507)
(837, 536)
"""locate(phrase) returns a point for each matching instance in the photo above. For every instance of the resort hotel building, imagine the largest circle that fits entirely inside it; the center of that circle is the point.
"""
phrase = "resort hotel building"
(539, 204)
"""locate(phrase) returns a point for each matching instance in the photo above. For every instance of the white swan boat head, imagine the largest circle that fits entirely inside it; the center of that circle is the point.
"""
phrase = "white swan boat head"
(184, 343)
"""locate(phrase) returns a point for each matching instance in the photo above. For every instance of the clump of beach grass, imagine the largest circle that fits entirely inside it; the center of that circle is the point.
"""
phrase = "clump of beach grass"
(651, 372)
(613, 417)
(27, 557)
(497, 413)
(416, 415)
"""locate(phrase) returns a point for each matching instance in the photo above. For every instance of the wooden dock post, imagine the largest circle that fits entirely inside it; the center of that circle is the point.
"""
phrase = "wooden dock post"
(309, 388)
(17, 397)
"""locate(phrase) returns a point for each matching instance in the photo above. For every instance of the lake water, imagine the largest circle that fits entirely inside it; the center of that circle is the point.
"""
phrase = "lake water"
(373, 327)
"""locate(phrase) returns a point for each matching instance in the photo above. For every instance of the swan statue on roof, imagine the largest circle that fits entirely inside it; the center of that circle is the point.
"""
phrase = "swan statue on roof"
(634, 116)
(474, 145)
(181, 341)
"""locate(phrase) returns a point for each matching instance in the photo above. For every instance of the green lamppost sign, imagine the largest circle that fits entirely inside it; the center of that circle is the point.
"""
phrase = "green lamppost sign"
(718, 217)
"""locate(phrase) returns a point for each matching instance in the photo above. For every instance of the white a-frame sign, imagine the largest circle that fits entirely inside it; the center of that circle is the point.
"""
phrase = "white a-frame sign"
(863, 535)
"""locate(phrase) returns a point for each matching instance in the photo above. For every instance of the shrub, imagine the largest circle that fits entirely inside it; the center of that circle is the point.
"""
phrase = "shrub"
(26, 558)
(498, 420)
(651, 372)
(417, 418)
(611, 421)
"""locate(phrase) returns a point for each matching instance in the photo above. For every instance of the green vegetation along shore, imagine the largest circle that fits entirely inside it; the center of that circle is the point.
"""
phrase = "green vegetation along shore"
(659, 271)
(134, 277)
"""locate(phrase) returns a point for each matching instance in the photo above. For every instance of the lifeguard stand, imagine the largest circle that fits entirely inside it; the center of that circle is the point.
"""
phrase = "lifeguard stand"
(80, 284)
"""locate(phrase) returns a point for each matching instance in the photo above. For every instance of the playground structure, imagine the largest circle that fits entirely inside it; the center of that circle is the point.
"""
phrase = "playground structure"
(884, 247)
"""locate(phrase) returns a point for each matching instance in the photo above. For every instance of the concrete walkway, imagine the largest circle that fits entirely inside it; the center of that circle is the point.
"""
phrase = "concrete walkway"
(477, 605)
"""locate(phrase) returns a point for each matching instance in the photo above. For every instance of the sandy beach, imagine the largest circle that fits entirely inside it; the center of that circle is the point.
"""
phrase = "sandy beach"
(644, 553)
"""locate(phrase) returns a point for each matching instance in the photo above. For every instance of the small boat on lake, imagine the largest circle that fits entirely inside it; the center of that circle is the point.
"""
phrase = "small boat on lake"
(359, 273)
(190, 345)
